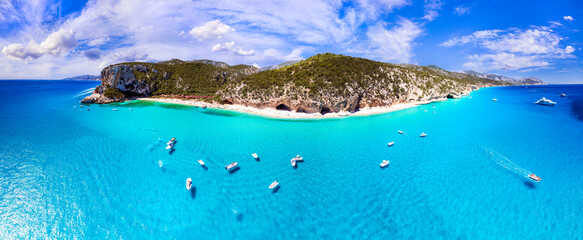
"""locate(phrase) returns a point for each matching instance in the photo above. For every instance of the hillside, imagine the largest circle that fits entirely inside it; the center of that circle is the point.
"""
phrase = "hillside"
(322, 83)
(86, 77)
(521, 81)
(331, 83)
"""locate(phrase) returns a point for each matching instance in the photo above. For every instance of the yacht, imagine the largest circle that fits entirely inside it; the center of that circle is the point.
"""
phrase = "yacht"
(231, 166)
(563, 95)
(544, 101)
(401, 132)
(170, 144)
(293, 162)
(494, 99)
(390, 144)
(255, 156)
(115, 109)
(422, 135)
(188, 184)
(201, 162)
(273, 184)
(298, 158)
(384, 163)
(534, 177)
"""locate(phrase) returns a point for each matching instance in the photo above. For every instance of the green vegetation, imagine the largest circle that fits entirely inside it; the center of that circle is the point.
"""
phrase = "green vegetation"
(113, 93)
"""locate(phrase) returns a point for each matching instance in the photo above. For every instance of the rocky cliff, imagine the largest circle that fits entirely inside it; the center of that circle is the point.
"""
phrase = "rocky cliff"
(521, 81)
(332, 83)
(322, 83)
(198, 78)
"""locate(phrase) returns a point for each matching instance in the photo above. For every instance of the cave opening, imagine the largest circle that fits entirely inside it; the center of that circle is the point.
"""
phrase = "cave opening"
(325, 110)
(283, 107)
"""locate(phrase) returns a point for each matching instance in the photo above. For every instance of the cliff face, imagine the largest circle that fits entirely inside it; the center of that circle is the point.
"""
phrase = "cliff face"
(323, 83)
(332, 83)
(129, 80)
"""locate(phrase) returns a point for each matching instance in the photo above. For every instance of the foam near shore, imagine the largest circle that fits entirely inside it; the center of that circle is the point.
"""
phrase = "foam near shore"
(274, 113)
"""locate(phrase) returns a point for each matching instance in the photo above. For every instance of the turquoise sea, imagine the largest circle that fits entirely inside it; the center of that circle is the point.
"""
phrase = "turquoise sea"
(69, 171)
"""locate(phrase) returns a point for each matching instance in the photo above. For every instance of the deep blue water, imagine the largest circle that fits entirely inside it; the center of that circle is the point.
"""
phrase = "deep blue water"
(66, 172)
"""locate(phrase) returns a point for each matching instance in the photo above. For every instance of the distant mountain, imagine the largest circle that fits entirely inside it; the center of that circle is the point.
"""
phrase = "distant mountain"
(285, 64)
(522, 81)
(86, 77)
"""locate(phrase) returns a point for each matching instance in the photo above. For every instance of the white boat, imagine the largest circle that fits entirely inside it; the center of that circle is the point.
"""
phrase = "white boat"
(201, 162)
(231, 166)
(115, 109)
(188, 184)
(470, 97)
(293, 162)
(273, 184)
(298, 158)
(544, 101)
(494, 99)
(422, 135)
(255, 156)
(563, 95)
(401, 132)
(170, 144)
(384, 163)
(534, 177)
(390, 144)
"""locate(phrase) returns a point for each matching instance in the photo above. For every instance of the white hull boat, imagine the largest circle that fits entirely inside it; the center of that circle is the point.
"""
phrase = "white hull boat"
(201, 162)
(422, 135)
(293, 162)
(255, 156)
(188, 184)
(384, 163)
(401, 132)
(390, 144)
(273, 184)
(231, 166)
(546, 102)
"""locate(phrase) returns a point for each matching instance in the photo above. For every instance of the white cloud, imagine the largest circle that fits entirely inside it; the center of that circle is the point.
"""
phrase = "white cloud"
(212, 29)
(568, 18)
(394, 44)
(513, 49)
(55, 44)
(431, 7)
(461, 10)
(230, 46)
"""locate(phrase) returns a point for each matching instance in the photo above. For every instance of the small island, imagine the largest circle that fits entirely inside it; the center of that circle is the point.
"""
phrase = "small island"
(324, 85)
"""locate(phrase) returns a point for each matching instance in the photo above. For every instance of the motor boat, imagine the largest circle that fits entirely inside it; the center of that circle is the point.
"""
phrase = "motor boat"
(563, 95)
(422, 135)
(255, 156)
(390, 144)
(231, 166)
(298, 158)
(546, 102)
(534, 177)
(188, 184)
(201, 162)
(494, 99)
(401, 132)
(273, 184)
(115, 109)
(293, 162)
(170, 144)
(384, 163)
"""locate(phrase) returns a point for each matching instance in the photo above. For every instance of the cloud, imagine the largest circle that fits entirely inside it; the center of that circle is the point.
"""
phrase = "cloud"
(56, 43)
(212, 29)
(93, 54)
(230, 46)
(513, 49)
(568, 18)
(461, 10)
(431, 7)
(394, 44)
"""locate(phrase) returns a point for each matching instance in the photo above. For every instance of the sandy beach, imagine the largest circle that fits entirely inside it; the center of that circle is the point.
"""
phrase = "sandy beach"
(274, 113)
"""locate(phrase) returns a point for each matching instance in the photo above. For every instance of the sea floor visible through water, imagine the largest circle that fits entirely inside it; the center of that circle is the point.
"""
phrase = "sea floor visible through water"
(86, 171)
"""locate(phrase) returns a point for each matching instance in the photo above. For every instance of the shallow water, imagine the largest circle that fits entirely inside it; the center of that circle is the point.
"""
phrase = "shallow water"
(66, 172)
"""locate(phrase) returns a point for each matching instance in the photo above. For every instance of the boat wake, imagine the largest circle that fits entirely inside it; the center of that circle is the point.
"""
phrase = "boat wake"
(506, 163)
(85, 92)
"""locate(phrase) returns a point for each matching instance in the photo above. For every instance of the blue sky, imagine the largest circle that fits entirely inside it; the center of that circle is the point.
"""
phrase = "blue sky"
(48, 39)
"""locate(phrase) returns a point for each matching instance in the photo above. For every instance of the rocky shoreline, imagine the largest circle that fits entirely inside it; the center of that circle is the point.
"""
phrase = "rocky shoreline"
(284, 114)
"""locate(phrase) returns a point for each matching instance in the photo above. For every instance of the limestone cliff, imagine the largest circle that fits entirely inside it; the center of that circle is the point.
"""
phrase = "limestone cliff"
(323, 83)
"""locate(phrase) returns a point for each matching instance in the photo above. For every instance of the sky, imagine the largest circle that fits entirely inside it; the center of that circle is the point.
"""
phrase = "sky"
(54, 39)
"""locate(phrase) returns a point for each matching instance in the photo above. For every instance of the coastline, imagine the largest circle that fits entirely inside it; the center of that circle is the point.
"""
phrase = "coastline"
(279, 114)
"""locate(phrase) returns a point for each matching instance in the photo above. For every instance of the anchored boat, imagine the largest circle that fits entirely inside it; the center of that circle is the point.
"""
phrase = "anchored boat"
(231, 166)
(273, 184)
(390, 144)
(201, 162)
(384, 163)
(188, 184)
(546, 102)
(255, 156)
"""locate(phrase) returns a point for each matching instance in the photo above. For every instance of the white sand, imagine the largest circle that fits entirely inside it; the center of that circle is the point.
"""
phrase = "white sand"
(274, 113)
